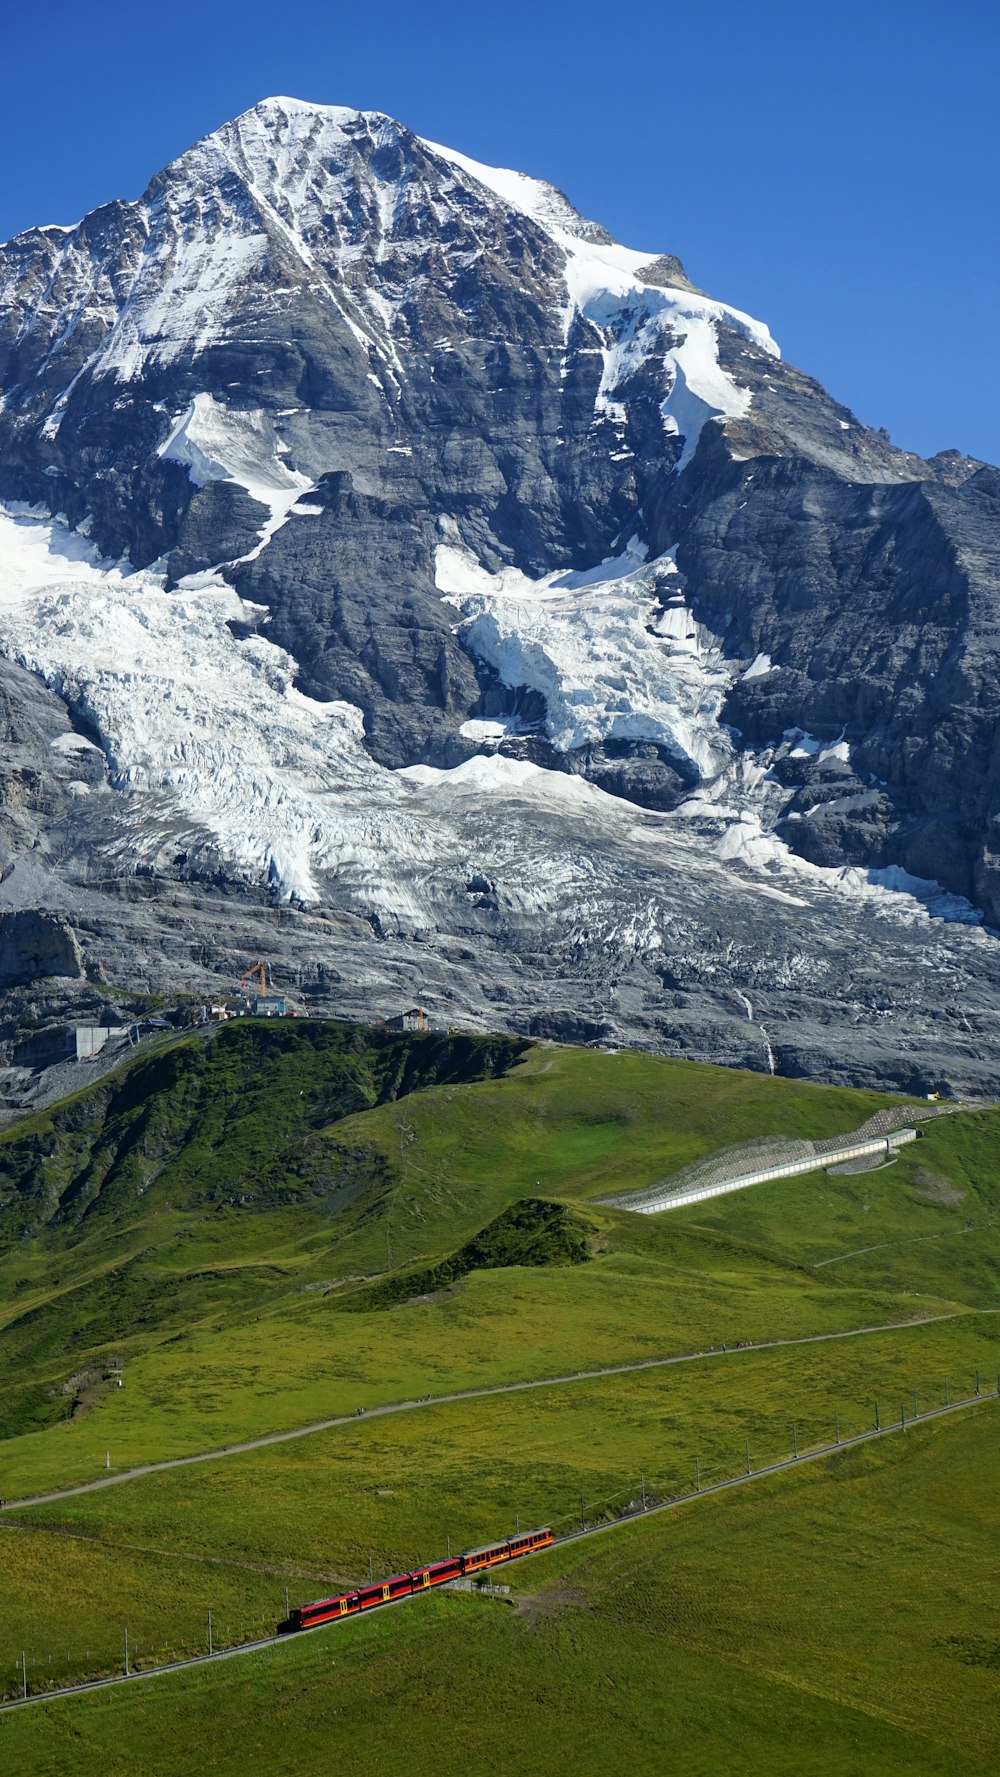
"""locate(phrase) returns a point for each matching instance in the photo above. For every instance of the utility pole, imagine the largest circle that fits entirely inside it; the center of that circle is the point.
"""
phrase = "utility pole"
(836, 1424)
(126, 1654)
(795, 1442)
(697, 1475)
(448, 1539)
(583, 1520)
(946, 1391)
(877, 1424)
(977, 1381)
(902, 1417)
(748, 1455)
(371, 1574)
(210, 1633)
(517, 1523)
(24, 1674)
(286, 1602)
(107, 1458)
(916, 1409)
(642, 1484)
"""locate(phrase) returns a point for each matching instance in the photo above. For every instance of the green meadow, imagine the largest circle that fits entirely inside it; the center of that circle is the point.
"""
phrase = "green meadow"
(221, 1223)
(837, 1620)
(269, 1227)
(310, 1515)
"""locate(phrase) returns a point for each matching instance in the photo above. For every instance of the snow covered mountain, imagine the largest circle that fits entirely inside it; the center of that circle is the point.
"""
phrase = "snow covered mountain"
(400, 577)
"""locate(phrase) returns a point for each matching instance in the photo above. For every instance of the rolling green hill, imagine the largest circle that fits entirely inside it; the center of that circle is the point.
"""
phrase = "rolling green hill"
(201, 1216)
(270, 1226)
(190, 1182)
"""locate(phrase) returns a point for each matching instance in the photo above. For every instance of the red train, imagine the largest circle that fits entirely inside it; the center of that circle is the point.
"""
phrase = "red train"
(402, 1585)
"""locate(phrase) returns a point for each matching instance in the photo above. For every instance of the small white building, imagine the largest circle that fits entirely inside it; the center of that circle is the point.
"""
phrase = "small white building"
(415, 1019)
(268, 1008)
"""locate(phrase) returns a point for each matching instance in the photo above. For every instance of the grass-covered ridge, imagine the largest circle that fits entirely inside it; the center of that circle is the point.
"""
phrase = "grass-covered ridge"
(531, 1232)
(237, 1116)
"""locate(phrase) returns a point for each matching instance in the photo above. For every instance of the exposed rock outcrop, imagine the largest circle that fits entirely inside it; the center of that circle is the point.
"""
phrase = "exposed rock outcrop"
(34, 945)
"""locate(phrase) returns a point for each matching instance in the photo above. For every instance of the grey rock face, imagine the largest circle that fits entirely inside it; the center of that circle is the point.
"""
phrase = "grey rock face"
(36, 944)
(877, 603)
(405, 408)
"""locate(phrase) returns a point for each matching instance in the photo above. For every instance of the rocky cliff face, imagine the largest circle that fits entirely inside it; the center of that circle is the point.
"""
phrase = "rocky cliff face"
(458, 605)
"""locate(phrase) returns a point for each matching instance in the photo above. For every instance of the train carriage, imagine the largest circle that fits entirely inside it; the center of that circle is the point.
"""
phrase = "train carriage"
(403, 1585)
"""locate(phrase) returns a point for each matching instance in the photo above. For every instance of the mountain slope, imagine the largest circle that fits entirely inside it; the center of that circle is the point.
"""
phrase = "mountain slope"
(426, 559)
(239, 1189)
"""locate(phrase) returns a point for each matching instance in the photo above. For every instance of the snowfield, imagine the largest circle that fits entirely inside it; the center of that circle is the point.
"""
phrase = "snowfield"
(215, 753)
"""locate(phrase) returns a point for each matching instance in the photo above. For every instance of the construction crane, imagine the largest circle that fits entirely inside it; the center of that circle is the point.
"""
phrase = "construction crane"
(261, 973)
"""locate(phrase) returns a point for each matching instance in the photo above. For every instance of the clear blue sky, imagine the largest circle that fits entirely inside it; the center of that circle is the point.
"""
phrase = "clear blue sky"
(829, 165)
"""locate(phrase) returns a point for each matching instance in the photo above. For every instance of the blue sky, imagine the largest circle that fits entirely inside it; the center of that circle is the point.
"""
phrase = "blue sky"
(830, 167)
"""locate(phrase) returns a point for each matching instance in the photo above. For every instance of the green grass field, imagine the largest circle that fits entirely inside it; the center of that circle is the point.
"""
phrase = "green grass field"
(838, 1620)
(275, 1226)
(309, 1515)
(227, 1316)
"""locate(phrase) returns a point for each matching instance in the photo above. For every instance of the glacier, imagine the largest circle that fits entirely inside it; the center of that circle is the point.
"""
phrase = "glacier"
(206, 734)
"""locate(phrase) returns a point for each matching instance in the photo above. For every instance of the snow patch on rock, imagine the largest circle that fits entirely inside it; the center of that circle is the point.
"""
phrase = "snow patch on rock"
(241, 445)
(610, 661)
(806, 746)
(180, 309)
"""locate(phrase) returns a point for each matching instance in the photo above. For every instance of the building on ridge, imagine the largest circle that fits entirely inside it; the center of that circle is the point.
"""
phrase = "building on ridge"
(415, 1019)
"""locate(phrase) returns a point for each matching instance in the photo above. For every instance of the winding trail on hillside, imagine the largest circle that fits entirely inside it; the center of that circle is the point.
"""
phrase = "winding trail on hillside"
(907, 1240)
(466, 1394)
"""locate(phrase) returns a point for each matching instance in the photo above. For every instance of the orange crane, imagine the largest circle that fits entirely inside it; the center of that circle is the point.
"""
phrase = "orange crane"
(261, 973)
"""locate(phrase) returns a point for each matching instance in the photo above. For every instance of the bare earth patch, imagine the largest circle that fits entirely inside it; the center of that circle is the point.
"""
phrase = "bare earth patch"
(932, 1188)
(539, 1607)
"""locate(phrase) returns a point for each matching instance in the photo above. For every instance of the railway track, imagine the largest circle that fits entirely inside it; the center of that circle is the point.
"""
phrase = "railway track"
(572, 1536)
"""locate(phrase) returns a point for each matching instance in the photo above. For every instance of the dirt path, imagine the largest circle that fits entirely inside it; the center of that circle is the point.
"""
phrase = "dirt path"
(464, 1394)
(907, 1240)
(668, 1505)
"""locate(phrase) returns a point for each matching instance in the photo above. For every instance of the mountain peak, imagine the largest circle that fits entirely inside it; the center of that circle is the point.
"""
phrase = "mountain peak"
(298, 134)
(281, 104)
(433, 560)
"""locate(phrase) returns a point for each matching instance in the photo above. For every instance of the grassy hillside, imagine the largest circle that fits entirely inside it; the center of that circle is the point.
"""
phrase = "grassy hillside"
(835, 1621)
(276, 1226)
(309, 1515)
(231, 1117)
(192, 1182)
(202, 1218)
